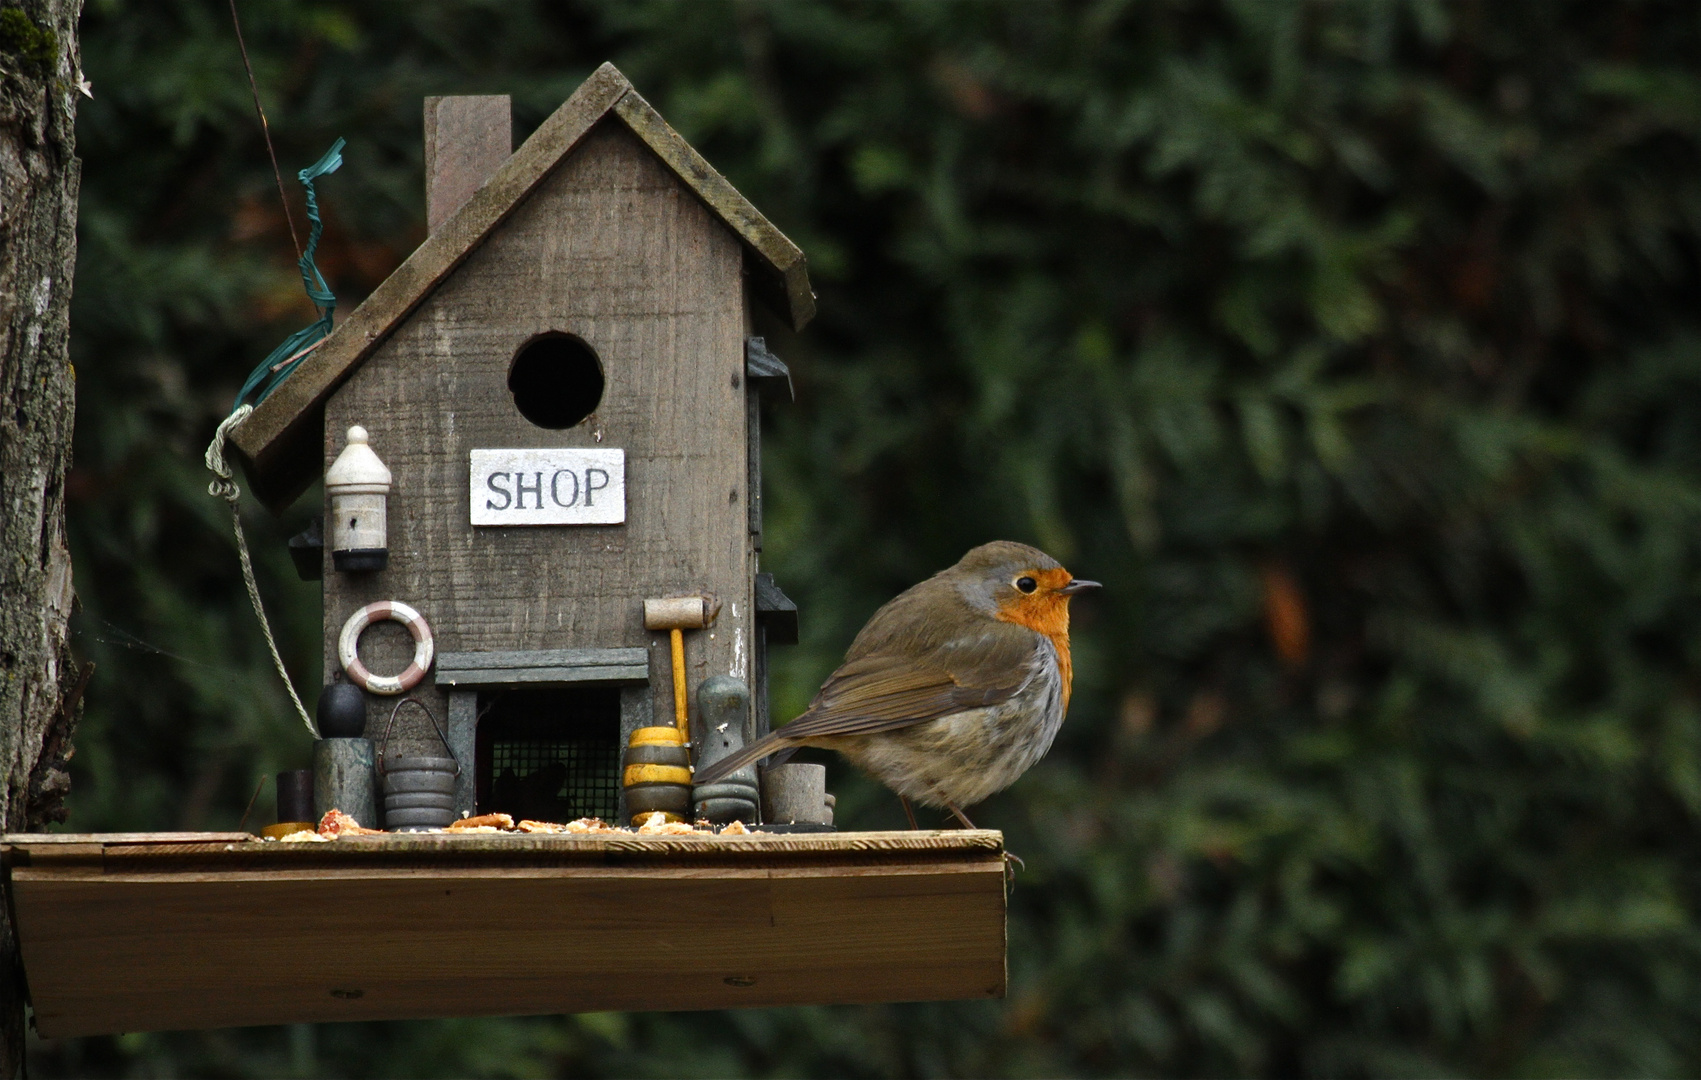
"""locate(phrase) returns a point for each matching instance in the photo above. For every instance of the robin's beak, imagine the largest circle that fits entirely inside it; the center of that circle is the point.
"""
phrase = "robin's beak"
(1077, 585)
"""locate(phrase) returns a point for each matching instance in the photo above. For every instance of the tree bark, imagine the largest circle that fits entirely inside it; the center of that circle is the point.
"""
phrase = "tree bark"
(40, 685)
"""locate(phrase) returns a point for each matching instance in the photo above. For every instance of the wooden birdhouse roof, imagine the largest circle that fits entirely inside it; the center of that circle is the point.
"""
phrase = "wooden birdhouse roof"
(280, 443)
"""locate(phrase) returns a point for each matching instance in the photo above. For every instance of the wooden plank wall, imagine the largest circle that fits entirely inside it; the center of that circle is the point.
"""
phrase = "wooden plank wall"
(612, 248)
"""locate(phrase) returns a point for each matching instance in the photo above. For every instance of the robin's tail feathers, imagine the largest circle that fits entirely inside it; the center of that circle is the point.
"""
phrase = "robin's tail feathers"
(725, 767)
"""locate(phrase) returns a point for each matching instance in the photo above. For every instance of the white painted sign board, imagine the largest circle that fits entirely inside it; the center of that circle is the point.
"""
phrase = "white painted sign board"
(566, 486)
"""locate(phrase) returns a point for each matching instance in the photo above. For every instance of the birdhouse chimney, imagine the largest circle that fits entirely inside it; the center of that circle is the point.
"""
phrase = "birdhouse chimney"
(466, 140)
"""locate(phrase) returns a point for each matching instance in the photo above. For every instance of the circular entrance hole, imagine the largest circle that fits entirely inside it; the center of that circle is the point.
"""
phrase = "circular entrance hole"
(556, 380)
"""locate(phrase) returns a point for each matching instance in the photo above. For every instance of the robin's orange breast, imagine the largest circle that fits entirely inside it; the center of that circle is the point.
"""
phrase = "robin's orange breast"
(1046, 610)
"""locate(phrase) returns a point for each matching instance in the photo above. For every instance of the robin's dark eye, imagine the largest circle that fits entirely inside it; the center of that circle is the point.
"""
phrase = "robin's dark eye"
(1026, 584)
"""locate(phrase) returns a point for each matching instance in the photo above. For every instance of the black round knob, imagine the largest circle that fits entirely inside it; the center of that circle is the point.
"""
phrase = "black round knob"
(342, 711)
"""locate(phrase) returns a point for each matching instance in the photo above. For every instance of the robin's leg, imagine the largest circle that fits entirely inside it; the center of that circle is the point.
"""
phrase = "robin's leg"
(1011, 861)
(908, 813)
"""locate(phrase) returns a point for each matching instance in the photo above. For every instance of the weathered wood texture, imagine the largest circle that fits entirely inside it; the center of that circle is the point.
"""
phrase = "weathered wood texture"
(14, 843)
(466, 140)
(781, 274)
(145, 937)
(613, 248)
(277, 444)
(184, 851)
(546, 667)
(39, 687)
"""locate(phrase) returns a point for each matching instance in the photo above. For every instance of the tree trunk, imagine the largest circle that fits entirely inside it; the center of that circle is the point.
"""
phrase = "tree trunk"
(40, 686)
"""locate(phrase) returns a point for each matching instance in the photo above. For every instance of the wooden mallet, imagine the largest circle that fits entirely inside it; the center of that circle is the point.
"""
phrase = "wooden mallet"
(677, 614)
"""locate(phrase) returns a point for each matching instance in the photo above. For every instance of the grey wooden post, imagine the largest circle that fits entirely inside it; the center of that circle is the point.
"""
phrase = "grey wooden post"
(795, 794)
(345, 778)
(463, 744)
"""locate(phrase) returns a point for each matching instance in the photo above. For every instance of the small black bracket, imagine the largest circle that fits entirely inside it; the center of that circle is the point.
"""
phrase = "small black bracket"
(767, 373)
(307, 550)
(775, 611)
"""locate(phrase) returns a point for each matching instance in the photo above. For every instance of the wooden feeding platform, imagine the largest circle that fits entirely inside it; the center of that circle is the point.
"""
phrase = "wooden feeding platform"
(128, 932)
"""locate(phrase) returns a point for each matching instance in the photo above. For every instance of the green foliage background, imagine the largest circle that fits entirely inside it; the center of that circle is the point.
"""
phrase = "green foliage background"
(1354, 346)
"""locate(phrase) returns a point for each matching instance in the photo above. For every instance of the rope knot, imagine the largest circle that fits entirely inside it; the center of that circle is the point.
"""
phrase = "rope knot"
(224, 482)
(224, 487)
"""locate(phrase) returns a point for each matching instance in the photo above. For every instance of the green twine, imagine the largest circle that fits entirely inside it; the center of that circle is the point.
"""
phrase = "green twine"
(276, 367)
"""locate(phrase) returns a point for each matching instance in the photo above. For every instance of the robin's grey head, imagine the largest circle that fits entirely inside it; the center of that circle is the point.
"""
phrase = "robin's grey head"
(993, 575)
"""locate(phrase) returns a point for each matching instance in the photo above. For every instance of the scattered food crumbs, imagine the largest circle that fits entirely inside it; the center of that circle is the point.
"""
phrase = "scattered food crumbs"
(657, 824)
(590, 825)
(335, 823)
(530, 826)
(483, 823)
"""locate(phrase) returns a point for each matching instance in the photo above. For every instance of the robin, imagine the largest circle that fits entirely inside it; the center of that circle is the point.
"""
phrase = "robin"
(953, 689)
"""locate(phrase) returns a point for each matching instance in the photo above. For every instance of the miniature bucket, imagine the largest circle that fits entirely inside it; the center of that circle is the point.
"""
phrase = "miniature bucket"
(419, 790)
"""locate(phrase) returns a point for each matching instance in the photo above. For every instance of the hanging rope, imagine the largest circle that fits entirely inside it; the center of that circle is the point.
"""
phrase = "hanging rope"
(224, 486)
(273, 370)
(276, 367)
(265, 128)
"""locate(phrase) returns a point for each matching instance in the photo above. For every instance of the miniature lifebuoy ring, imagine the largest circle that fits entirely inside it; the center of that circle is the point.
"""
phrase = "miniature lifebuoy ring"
(348, 653)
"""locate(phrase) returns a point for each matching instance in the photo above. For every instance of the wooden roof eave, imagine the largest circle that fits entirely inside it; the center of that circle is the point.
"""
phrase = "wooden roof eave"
(280, 445)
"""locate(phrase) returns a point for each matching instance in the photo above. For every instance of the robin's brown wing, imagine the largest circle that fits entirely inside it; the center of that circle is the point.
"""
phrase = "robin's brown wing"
(910, 664)
(884, 690)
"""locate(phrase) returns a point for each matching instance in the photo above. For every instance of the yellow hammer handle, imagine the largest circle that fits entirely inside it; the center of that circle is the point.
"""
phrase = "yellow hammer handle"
(679, 683)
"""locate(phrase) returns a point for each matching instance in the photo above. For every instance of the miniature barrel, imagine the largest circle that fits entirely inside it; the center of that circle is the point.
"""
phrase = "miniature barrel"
(723, 703)
(343, 780)
(656, 773)
(419, 793)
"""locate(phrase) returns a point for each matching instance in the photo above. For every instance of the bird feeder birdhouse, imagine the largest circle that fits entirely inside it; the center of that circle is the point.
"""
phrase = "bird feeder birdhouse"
(540, 444)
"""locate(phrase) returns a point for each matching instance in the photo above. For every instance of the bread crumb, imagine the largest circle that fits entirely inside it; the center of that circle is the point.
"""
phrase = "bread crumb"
(530, 826)
(335, 823)
(657, 824)
(590, 825)
(483, 823)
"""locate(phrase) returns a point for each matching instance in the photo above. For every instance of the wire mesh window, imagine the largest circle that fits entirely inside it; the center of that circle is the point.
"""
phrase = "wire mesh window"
(550, 755)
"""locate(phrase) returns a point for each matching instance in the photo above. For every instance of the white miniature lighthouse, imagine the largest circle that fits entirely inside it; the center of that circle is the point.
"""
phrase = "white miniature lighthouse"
(358, 484)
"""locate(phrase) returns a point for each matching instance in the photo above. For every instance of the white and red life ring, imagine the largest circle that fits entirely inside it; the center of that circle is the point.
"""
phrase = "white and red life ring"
(348, 652)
